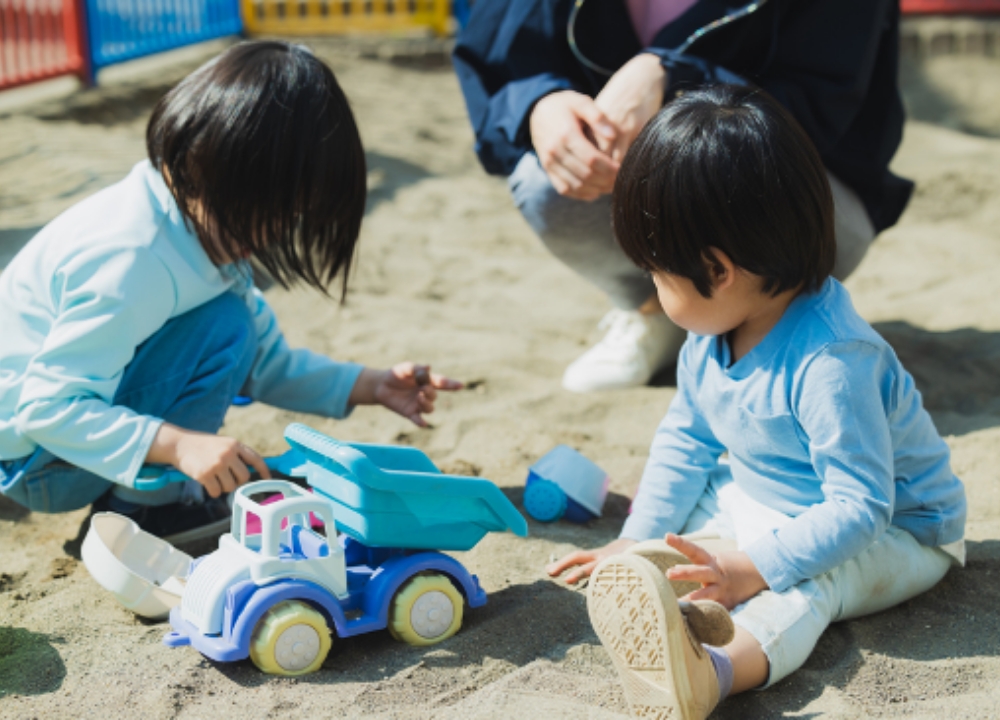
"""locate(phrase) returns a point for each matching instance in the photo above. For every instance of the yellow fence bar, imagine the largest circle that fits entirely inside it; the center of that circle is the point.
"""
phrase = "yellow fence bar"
(334, 17)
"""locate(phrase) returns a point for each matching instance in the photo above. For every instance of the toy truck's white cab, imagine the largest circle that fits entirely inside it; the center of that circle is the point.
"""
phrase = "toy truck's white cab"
(286, 547)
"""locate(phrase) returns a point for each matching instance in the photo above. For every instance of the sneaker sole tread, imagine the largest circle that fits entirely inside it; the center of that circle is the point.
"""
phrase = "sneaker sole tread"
(635, 614)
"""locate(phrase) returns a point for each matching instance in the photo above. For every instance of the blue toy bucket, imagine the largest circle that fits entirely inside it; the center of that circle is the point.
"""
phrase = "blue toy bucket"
(565, 484)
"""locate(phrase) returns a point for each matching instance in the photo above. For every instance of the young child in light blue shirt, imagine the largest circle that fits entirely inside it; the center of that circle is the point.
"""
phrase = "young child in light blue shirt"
(796, 462)
(130, 322)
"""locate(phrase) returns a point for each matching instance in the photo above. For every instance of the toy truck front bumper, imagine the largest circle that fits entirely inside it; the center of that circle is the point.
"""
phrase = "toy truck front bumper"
(215, 647)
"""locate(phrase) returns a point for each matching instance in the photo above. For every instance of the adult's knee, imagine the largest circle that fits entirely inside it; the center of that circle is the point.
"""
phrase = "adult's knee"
(539, 202)
(852, 226)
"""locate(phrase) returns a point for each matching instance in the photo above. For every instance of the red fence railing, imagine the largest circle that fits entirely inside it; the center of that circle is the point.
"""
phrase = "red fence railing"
(39, 39)
(950, 7)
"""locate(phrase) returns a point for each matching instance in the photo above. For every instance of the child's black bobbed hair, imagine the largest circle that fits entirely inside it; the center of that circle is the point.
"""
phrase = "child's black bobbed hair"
(726, 167)
(261, 152)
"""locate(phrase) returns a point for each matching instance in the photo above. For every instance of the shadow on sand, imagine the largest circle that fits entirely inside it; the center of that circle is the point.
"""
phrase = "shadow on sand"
(955, 371)
(547, 616)
(925, 102)
(29, 664)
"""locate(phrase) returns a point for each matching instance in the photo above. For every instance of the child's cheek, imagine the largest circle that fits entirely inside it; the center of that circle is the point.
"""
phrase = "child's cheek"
(667, 300)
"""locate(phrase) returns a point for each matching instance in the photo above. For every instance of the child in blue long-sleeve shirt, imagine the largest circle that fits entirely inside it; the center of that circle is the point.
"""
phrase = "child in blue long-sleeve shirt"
(130, 322)
(837, 498)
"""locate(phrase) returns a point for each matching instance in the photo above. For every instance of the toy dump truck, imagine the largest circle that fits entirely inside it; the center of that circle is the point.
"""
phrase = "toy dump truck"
(282, 595)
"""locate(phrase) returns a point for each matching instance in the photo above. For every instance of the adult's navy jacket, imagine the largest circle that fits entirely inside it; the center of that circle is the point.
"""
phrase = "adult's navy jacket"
(832, 63)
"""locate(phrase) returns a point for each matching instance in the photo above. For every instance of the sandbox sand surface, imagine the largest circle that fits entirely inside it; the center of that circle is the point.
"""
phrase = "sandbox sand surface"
(449, 274)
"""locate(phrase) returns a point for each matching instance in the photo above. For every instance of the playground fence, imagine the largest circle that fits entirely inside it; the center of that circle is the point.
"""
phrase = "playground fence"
(329, 17)
(39, 39)
(121, 30)
(950, 7)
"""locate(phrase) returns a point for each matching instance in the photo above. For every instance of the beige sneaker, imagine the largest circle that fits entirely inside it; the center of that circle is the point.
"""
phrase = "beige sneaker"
(667, 674)
(708, 621)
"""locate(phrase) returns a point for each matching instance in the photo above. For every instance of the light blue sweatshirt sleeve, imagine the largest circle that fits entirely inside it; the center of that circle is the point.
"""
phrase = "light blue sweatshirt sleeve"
(843, 403)
(298, 380)
(683, 453)
(106, 302)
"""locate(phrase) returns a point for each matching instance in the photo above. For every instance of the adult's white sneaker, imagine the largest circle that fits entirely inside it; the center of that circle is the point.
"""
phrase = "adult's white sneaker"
(635, 347)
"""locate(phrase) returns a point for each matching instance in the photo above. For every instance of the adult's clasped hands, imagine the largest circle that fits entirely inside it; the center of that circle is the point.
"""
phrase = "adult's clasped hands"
(581, 141)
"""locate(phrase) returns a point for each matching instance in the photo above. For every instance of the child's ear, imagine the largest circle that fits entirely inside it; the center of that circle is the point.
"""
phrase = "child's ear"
(721, 270)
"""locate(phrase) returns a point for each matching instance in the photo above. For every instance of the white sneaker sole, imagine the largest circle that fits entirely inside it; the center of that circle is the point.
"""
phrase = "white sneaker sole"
(635, 614)
(591, 386)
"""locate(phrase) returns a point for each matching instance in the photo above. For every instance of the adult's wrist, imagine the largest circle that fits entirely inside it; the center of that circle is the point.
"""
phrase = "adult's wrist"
(544, 98)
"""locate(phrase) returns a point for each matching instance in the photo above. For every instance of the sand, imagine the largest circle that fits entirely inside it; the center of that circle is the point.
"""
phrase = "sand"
(449, 274)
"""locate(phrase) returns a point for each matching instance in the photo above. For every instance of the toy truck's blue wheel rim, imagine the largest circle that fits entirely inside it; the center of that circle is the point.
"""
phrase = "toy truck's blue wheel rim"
(544, 500)
(427, 610)
(291, 639)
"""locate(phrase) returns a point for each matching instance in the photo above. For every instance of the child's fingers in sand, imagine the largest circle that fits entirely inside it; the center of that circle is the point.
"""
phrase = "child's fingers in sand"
(586, 560)
(581, 573)
(424, 378)
(417, 419)
(445, 383)
(426, 404)
(578, 557)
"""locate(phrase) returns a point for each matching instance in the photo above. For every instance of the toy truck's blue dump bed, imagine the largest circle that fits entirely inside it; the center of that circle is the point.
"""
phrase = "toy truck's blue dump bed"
(387, 496)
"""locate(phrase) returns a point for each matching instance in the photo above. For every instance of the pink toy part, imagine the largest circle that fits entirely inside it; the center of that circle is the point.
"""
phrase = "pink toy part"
(253, 522)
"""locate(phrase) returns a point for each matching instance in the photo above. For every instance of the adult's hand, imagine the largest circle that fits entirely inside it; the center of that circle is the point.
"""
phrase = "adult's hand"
(631, 98)
(571, 136)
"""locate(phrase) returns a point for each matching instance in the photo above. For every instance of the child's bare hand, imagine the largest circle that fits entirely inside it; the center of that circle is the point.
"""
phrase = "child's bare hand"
(729, 578)
(219, 464)
(407, 389)
(586, 560)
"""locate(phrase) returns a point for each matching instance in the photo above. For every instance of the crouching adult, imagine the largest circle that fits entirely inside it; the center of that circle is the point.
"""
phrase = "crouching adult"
(557, 90)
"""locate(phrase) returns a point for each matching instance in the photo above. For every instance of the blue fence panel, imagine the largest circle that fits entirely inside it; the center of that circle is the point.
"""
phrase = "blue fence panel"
(121, 30)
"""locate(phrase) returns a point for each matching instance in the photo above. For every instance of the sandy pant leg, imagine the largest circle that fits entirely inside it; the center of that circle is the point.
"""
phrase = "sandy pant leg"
(788, 624)
(708, 521)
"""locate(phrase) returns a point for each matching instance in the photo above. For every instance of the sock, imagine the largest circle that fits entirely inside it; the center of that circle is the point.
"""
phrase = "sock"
(723, 669)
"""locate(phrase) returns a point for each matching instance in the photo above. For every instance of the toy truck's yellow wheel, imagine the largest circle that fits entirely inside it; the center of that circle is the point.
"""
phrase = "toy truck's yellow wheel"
(427, 610)
(291, 639)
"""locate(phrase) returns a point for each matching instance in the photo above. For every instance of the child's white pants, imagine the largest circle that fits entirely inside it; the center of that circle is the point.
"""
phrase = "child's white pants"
(788, 624)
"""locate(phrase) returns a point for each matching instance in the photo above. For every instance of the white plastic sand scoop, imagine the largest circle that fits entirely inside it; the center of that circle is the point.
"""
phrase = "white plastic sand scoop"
(146, 574)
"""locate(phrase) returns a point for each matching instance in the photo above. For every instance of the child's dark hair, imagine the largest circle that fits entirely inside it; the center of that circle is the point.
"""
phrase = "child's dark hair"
(261, 152)
(726, 167)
